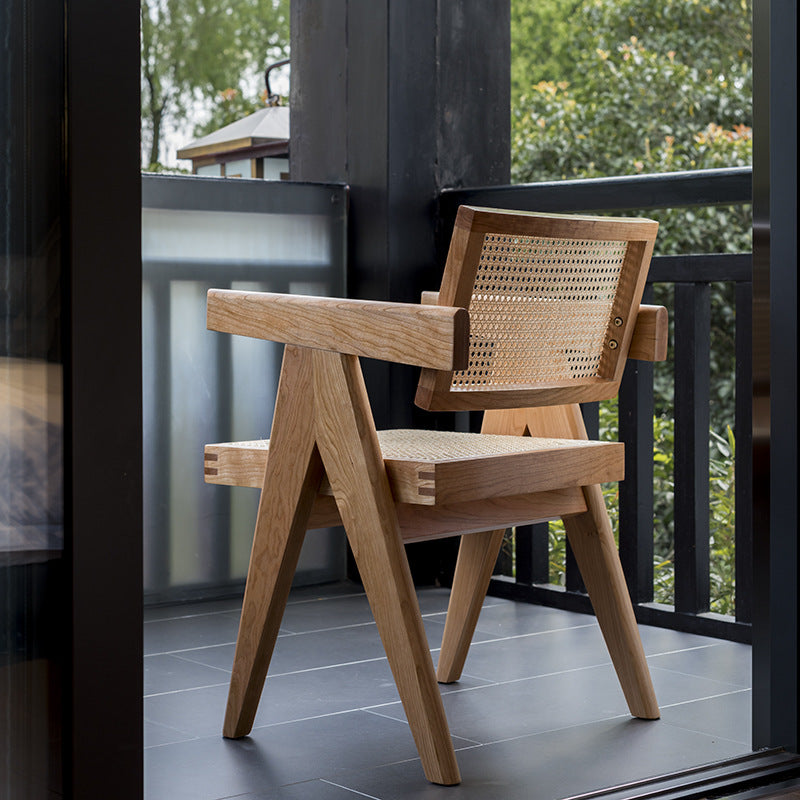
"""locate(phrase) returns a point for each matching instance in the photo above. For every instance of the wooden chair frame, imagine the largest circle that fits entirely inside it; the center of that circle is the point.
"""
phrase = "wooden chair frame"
(324, 465)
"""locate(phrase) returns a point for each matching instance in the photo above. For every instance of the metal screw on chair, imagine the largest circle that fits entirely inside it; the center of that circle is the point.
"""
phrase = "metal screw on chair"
(618, 321)
(613, 344)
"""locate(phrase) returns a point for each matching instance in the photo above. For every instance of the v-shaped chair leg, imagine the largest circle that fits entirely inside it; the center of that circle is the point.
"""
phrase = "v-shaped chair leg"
(477, 556)
(349, 448)
(592, 540)
(293, 475)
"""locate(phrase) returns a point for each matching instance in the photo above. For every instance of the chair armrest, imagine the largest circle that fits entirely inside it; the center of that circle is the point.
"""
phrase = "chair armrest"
(650, 334)
(436, 337)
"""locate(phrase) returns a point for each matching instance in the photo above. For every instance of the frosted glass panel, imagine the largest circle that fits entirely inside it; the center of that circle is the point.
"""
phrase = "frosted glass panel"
(202, 386)
(227, 236)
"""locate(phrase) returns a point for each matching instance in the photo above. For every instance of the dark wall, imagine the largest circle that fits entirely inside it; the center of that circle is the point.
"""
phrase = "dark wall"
(103, 405)
(398, 100)
(776, 698)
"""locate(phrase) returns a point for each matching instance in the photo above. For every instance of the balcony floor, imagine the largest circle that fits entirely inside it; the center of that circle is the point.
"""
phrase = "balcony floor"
(537, 714)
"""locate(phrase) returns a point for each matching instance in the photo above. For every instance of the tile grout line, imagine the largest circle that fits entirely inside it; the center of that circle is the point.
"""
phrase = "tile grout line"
(708, 697)
(348, 789)
(497, 639)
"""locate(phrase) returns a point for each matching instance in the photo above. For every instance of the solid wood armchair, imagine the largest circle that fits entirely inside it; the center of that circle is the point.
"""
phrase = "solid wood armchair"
(536, 313)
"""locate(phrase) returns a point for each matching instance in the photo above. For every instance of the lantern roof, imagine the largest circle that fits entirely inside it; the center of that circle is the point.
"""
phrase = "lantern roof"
(268, 126)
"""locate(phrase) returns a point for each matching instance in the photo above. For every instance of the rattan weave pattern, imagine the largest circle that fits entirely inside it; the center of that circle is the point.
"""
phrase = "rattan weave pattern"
(413, 445)
(437, 446)
(540, 310)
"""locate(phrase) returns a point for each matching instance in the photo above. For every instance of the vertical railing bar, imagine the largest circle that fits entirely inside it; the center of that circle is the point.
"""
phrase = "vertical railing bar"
(636, 491)
(591, 419)
(573, 579)
(540, 553)
(692, 390)
(532, 553)
(744, 453)
(156, 476)
(220, 526)
(523, 552)
(505, 560)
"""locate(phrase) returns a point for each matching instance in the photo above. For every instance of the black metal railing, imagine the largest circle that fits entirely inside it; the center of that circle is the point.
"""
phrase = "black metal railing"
(691, 276)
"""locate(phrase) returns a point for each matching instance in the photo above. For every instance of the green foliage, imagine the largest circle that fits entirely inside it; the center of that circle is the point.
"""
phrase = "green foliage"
(721, 522)
(653, 86)
(540, 43)
(621, 87)
(194, 49)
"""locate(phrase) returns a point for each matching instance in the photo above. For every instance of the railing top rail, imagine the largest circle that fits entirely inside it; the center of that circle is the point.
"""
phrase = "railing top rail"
(729, 186)
(192, 192)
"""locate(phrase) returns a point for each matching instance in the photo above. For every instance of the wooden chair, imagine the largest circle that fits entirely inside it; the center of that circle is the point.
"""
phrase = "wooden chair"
(535, 314)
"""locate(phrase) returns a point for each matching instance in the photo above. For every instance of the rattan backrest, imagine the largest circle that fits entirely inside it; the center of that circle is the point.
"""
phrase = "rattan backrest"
(552, 302)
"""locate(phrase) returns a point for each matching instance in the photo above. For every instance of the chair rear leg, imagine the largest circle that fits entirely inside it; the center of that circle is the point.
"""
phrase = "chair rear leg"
(595, 550)
(592, 542)
(477, 555)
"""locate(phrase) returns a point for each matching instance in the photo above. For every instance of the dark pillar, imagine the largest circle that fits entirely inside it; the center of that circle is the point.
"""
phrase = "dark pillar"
(398, 100)
(103, 406)
(775, 523)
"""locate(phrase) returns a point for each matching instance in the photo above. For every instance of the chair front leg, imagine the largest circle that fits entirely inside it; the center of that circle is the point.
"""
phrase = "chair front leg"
(293, 475)
(354, 465)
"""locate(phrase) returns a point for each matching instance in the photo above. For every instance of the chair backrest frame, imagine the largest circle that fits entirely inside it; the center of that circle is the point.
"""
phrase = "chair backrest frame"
(619, 252)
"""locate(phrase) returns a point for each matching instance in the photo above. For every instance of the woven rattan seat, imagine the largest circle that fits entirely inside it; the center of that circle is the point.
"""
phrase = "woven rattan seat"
(430, 467)
(535, 314)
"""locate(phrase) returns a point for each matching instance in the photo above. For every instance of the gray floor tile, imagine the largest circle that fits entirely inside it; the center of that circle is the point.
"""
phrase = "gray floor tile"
(725, 661)
(317, 648)
(537, 689)
(286, 698)
(521, 707)
(156, 735)
(507, 618)
(728, 716)
(184, 610)
(270, 758)
(540, 653)
(551, 765)
(663, 640)
(311, 613)
(165, 673)
(183, 633)
(307, 790)
(316, 615)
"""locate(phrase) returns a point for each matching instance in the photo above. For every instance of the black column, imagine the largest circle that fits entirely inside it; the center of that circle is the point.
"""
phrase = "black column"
(103, 406)
(775, 523)
(398, 100)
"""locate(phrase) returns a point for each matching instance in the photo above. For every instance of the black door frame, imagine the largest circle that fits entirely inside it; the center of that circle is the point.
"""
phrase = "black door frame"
(103, 391)
(775, 522)
(101, 284)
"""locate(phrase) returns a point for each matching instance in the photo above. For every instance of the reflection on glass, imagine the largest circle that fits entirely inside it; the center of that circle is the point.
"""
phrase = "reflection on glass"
(32, 590)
